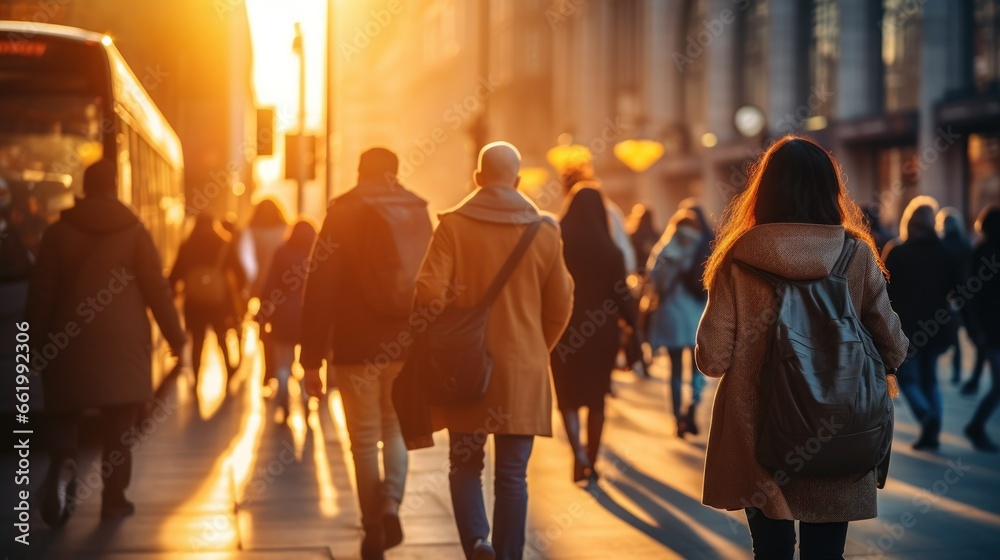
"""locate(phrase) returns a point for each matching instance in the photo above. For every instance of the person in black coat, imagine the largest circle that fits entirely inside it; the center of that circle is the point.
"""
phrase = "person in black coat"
(951, 229)
(985, 313)
(281, 303)
(97, 274)
(583, 359)
(922, 274)
(208, 248)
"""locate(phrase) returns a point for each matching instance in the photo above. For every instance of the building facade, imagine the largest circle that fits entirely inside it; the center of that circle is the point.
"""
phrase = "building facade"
(906, 93)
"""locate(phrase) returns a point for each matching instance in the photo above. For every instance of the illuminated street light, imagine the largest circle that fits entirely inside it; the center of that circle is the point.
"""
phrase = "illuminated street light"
(568, 155)
(638, 155)
(749, 121)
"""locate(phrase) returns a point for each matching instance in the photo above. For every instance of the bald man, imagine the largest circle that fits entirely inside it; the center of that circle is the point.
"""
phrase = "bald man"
(468, 250)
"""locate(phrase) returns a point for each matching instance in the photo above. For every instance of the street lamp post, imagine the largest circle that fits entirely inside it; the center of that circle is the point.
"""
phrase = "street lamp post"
(300, 169)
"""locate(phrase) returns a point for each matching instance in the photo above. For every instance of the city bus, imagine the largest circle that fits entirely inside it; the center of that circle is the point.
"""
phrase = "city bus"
(67, 100)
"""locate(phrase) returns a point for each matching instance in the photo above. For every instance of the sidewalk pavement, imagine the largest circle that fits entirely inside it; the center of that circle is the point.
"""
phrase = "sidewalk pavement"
(216, 478)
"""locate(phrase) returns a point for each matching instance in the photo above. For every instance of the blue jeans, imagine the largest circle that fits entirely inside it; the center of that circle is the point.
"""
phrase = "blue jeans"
(919, 383)
(989, 403)
(510, 508)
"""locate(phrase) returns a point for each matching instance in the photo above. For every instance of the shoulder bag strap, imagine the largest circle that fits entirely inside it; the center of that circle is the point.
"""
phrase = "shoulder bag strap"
(509, 266)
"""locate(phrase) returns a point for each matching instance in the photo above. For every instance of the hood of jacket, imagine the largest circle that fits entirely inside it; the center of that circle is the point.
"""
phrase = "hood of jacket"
(99, 215)
(793, 251)
(496, 204)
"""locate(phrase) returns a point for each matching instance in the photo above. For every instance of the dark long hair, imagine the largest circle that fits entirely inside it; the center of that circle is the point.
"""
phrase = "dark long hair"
(793, 181)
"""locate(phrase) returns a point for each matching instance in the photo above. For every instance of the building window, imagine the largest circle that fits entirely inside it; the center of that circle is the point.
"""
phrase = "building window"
(693, 74)
(627, 51)
(986, 45)
(753, 54)
(823, 54)
(901, 23)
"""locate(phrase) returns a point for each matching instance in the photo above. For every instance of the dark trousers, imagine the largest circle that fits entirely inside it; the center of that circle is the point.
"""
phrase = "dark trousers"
(919, 383)
(510, 508)
(774, 539)
(197, 322)
(989, 403)
(115, 424)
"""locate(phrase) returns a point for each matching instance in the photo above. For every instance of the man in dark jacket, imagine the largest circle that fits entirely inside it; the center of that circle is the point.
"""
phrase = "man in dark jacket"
(96, 274)
(922, 272)
(360, 247)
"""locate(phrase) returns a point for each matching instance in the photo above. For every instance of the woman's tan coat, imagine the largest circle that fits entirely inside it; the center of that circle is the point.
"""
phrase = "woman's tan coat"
(732, 339)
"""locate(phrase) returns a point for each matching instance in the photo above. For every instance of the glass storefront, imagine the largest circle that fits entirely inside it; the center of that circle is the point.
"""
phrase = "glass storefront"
(823, 53)
(753, 53)
(984, 172)
(986, 45)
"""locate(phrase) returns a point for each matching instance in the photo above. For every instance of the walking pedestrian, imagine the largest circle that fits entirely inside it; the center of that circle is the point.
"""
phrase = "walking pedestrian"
(584, 358)
(211, 275)
(263, 235)
(985, 314)
(951, 229)
(789, 222)
(922, 272)
(281, 304)
(470, 246)
(97, 274)
(358, 296)
(583, 170)
(677, 277)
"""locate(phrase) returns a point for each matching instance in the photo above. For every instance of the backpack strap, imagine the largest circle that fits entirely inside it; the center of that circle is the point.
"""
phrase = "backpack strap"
(850, 246)
(512, 261)
(771, 278)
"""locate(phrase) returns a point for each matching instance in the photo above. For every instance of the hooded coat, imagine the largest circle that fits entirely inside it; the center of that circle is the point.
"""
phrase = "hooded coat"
(675, 321)
(585, 355)
(97, 273)
(469, 247)
(732, 345)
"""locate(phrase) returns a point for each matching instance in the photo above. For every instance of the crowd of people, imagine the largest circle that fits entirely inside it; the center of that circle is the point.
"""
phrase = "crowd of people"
(563, 300)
